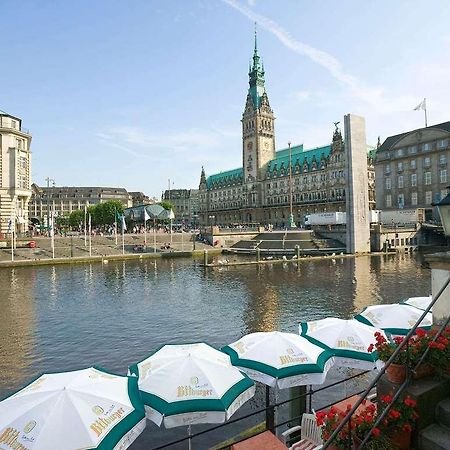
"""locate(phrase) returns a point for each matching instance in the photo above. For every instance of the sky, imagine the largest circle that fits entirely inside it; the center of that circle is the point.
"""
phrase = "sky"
(134, 94)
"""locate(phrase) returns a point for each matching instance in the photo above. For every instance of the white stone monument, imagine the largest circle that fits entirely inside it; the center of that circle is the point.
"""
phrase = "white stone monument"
(357, 196)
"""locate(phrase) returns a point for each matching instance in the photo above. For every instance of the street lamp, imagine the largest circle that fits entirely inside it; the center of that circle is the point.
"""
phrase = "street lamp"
(444, 212)
(48, 180)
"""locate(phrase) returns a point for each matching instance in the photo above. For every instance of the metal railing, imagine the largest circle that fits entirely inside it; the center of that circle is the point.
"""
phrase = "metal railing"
(270, 409)
(405, 343)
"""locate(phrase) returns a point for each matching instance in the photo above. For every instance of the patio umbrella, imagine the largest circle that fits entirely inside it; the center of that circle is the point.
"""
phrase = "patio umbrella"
(279, 359)
(418, 302)
(83, 409)
(395, 318)
(347, 339)
(190, 384)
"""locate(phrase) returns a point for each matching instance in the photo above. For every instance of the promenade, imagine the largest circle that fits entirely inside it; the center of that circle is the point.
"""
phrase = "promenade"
(72, 249)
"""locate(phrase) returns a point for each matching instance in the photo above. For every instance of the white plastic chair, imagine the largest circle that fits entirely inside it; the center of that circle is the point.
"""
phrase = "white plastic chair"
(310, 436)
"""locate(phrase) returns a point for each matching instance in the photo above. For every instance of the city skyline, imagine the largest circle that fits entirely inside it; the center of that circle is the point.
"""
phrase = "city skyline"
(134, 97)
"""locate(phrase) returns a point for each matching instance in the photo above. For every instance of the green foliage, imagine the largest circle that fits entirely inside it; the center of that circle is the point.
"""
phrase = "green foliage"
(167, 205)
(101, 214)
(62, 221)
(76, 218)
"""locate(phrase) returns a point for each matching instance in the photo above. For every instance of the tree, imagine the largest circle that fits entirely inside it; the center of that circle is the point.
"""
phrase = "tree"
(106, 212)
(167, 205)
(76, 218)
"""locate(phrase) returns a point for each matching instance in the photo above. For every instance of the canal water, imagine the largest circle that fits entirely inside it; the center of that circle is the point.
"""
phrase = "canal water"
(112, 315)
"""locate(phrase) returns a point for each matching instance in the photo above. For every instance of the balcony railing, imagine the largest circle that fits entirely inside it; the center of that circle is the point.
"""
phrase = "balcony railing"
(10, 127)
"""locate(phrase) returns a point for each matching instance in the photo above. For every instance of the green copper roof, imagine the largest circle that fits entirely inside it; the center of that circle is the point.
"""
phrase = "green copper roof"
(256, 78)
(299, 155)
(228, 176)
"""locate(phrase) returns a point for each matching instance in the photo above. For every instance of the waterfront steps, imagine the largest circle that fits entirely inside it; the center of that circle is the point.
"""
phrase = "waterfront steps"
(437, 435)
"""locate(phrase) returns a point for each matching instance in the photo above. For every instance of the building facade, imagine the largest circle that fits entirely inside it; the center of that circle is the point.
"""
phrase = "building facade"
(411, 169)
(260, 191)
(63, 200)
(185, 204)
(15, 174)
(139, 198)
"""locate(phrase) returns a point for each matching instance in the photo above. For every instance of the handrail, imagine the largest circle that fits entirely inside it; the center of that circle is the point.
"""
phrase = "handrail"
(309, 393)
(405, 341)
(403, 385)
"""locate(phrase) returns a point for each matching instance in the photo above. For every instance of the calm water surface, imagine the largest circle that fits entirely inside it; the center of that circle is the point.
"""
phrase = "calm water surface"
(112, 315)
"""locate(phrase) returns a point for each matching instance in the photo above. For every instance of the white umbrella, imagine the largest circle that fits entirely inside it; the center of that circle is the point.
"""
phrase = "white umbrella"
(190, 384)
(83, 409)
(395, 318)
(419, 302)
(280, 359)
(347, 339)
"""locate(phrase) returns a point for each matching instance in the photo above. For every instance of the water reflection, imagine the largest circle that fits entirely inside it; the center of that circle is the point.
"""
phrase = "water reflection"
(112, 315)
(17, 339)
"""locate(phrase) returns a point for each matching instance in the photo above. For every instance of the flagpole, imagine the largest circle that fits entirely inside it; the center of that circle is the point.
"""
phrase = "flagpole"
(115, 224)
(85, 224)
(52, 231)
(90, 236)
(425, 111)
(123, 236)
(13, 226)
(154, 235)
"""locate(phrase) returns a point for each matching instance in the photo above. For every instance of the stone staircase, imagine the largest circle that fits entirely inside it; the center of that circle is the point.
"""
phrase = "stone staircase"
(437, 435)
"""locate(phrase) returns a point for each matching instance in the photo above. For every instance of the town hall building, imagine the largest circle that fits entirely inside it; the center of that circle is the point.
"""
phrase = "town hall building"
(260, 191)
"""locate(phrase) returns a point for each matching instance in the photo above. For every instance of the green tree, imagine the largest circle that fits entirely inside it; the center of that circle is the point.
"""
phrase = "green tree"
(167, 205)
(76, 218)
(106, 212)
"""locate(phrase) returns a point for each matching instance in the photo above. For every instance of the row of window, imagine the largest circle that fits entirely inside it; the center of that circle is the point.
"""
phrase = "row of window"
(413, 179)
(426, 162)
(414, 199)
(425, 147)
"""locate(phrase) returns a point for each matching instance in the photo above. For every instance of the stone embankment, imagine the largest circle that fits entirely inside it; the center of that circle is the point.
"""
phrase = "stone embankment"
(72, 249)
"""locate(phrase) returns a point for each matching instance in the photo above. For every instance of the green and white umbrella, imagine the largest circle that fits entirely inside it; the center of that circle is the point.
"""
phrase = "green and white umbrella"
(83, 409)
(395, 318)
(279, 359)
(347, 339)
(419, 302)
(189, 384)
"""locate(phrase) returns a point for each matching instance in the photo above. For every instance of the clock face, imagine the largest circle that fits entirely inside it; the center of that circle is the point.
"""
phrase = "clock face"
(266, 145)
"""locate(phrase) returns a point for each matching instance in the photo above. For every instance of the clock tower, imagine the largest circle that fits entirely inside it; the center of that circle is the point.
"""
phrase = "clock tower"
(258, 132)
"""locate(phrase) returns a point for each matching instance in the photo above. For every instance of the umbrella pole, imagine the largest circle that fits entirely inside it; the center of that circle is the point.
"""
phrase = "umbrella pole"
(189, 435)
(270, 416)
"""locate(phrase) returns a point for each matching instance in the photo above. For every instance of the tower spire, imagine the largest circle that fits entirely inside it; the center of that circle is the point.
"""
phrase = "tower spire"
(256, 41)
(256, 76)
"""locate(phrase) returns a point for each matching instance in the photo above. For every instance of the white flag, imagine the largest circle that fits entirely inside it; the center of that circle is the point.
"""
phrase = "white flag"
(422, 105)
(146, 216)
(124, 225)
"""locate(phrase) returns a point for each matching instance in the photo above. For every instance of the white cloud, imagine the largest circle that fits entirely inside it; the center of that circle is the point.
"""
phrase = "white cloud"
(375, 96)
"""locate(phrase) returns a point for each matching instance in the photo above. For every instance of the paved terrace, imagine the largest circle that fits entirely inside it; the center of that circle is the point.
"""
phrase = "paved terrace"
(102, 246)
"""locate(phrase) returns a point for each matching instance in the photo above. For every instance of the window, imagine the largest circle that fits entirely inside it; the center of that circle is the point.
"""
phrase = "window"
(401, 200)
(388, 201)
(413, 179)
(400, 181)
(442, 143)
(413, 198)
(400, 166)
(388, 183)
(443, 176)
(427, 178)
(13, 124)
(444, 192)
(442, 159)
(387, 168)
(427, 162)
(413, 164)
(428, 197)
(412, 150)
(426, 147)
(400, 152)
